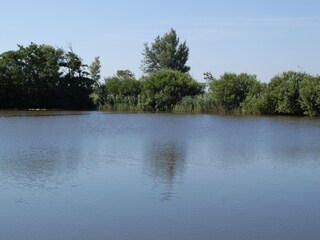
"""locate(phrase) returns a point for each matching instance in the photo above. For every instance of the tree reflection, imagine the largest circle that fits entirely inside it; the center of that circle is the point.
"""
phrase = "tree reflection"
(165, 163)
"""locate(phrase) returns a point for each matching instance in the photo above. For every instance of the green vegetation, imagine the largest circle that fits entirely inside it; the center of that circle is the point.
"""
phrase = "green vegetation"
(310, 96)
(166, 53)
(164, 89)
(160, 91)
(231, 90)
(45, 77)
(120, 92)
(289, 93)
(202, 103)
(41, 76)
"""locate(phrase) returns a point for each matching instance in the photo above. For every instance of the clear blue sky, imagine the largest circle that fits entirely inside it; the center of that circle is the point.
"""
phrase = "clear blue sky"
(258, 37)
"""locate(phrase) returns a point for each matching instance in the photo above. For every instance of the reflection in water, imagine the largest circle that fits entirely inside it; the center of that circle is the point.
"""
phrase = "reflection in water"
(165, 162)
(39, 150)
(38, 168)
(88, 177)
(35, 113)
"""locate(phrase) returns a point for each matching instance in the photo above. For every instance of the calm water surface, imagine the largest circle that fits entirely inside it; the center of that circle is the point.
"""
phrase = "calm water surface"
(93, 175)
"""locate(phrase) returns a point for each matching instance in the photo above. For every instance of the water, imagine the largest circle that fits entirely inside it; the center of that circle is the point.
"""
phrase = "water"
(91, 175)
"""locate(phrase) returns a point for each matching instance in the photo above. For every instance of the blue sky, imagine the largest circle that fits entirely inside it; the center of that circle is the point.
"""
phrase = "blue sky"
(258, 37)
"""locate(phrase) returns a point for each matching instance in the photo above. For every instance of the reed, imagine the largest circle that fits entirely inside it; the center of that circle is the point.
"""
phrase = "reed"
(203, 103)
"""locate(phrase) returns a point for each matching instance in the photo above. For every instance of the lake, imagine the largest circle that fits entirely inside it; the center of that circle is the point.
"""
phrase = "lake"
(97, 175)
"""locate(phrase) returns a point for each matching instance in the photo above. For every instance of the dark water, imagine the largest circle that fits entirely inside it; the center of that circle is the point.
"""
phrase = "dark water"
(158, 176)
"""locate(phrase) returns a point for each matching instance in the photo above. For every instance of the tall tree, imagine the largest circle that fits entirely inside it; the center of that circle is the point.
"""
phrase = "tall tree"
(94, 68)
(166, 53)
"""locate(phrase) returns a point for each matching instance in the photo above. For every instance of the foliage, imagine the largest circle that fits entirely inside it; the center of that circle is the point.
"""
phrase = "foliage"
(41, 76)
(231, 90)
(121, 103)
(165, 88)
(292, 93)
(157, 92)
(310, 95)
(95, 68)
(122, 85)
(202, 103)
(166, 53)
(255, 103)
(283, 93)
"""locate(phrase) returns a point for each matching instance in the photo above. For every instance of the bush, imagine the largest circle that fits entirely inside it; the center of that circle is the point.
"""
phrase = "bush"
(231, 90)
(283, 95)
(122, 89)
(165, 88)
(255, 101)
(310, 96)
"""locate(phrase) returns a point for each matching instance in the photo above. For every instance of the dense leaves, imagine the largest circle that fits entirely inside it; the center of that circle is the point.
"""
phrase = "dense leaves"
(45, 77)
(310, 96)
(232, 89)
(289, 93)
(123, 88)
(283, 95)
(166, 53)
(162, 90)
(94, 68)
(157, 92)
(41, 76)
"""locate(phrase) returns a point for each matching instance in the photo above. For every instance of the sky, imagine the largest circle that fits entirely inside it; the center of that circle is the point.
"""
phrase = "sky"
(263, 38)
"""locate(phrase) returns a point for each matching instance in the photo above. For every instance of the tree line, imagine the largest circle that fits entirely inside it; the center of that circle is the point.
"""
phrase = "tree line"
(289, 93)
(42, 76)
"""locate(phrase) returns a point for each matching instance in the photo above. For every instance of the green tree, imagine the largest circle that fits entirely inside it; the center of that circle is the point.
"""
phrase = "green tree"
(310, 96)
(231, 90)
(75, 85)
(284, 93)
(123, 84)
(12, 83)
(119, 88)
(74, 65)
(165, 53)
(255, 102)
(41, 76)
(165, 88)
(32, 72)
(95, 68)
